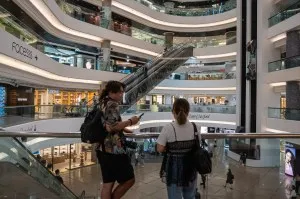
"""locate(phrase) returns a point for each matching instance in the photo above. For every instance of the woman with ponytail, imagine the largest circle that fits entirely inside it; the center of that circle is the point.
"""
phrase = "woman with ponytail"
(177, 140)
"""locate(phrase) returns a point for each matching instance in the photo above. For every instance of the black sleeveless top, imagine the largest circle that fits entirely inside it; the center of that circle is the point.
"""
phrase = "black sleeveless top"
(177, 164)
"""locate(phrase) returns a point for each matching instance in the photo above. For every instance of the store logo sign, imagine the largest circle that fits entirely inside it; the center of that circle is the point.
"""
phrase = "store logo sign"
(199, 116)
(17, 48)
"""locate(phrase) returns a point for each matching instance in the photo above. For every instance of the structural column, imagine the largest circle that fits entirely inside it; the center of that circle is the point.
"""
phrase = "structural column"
(106, 16)
(105, 46)
(292, 87)
(168, 99)
(169, 7)
(169, 39)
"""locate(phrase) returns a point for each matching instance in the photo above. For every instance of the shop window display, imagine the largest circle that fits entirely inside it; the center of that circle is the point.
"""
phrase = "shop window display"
(66, 157)
(2, 101)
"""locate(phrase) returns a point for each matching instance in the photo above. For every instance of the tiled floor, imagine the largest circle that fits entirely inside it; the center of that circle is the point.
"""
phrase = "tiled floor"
(250, 183)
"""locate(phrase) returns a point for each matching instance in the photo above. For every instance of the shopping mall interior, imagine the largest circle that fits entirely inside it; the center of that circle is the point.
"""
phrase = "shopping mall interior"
(236, 62)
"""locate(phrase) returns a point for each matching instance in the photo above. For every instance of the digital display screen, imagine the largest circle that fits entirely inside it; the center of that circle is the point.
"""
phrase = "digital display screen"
(290, 160)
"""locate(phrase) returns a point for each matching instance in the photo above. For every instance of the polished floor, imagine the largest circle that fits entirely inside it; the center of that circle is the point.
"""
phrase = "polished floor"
(249, 183)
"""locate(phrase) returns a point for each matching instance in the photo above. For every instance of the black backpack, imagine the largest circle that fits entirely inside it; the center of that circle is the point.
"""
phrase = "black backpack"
(93, 130)
(201, 157)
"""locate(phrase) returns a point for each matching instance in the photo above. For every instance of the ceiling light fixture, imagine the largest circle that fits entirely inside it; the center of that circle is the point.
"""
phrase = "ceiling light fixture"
(217, 56)
(196, 89)
(278, 37)
(6, 60)
(142, 15)
(40, 5)
(278, 84)
(45, 11)
(134, 48)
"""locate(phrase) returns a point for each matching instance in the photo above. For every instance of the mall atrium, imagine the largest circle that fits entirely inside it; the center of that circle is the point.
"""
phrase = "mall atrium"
(237, 63)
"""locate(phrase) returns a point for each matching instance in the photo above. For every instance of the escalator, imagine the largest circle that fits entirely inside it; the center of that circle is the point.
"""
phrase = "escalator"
(152, 73)
(23, 176)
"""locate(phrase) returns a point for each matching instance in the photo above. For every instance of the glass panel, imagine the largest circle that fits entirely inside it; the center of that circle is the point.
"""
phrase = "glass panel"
(13, 115)
(136, 109)
(14, 152)
(285, 14)
(148, 77)
(283, 64)
(284, 113)
(69, 156)
(216, 9)
(82, 13)
(66, 56)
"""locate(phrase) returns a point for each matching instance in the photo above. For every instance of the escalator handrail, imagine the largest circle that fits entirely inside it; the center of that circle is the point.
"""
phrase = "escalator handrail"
(140, 70)
(157, 64)
(32, 156)
(153, 71)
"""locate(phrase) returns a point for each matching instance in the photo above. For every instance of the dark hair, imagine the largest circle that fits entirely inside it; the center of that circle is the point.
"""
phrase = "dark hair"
(181, 108)
(292, 155)
(57, 171)
(111, 86)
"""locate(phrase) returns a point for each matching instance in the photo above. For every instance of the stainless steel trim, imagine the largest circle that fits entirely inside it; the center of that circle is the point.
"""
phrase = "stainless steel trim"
(151, 135)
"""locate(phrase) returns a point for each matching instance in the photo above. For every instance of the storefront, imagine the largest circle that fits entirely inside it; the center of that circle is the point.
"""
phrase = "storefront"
(71, 57)
(66, 157)
(62, 97)
(207, 100)
(2, 100)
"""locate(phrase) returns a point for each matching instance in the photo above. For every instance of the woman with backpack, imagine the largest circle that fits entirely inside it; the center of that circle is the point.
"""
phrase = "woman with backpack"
(177, 140)
(114, 161)
(229, 179)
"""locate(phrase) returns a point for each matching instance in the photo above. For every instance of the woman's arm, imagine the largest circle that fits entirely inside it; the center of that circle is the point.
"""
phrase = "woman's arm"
(126, 130)
(160, 148)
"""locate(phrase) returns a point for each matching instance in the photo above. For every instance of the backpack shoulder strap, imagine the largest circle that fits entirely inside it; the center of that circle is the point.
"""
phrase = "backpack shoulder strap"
(174, 132)
(196, 137)
(195, 128)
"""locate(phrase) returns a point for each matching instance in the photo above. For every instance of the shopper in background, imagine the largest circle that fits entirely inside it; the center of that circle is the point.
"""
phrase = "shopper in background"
(229, 179)
(58, 177)
(112, 155)
(177, 139)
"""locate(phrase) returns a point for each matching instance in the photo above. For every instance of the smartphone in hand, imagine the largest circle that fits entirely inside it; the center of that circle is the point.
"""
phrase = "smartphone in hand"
(141, 115)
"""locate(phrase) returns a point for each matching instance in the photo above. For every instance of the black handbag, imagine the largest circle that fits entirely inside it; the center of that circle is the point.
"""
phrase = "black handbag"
(201, 158)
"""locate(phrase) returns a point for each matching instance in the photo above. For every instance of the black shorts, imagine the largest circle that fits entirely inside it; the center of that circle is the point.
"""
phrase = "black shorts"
(115, 167)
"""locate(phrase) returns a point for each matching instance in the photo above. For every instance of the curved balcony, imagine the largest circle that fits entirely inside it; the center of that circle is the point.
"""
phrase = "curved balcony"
(285, 14)
(284, 113)
(283, 64)
(169, 9)
(137, 12)
(283, 70)
(222, 109)
(89, 16)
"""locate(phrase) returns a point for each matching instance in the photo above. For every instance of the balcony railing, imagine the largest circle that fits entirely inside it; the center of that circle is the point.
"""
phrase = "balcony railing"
(217, 9)
(291, 62)
(141, 108)
(284, 113)
(16, 27)
(285, 14)
(13, 115)
(91, 17)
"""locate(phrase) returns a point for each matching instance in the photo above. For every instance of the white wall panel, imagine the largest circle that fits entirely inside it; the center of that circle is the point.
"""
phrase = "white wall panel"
(46, 63)
(174, 19)
(284, 26)
(290, 126)
(149, 120)
(291, 74)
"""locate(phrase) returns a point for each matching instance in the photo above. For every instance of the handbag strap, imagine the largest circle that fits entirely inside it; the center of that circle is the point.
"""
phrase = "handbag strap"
(174, 132)
(196, 137)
